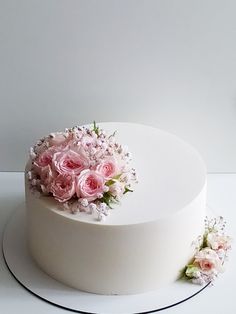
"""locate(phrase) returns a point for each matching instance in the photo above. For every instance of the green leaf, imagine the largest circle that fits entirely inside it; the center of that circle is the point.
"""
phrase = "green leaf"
(110, 182)
(117, 177)
(204, 242)
(107, 199)
(127, 190)
(113, 179)
(95, 128)
(191, 269)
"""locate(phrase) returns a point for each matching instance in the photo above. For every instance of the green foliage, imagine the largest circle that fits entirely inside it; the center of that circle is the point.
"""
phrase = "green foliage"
(108, 199)
(95, 128)
(113, 180)
(127, 190)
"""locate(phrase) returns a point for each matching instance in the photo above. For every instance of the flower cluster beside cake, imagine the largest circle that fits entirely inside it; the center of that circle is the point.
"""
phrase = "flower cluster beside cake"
(211, 252)
(73, 179)
(82, 168)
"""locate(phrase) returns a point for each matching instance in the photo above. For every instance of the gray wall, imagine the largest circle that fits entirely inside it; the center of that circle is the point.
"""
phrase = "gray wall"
(167, 63)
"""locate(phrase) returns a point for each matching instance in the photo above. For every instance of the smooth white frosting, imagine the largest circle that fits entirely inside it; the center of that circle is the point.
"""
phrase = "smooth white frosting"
(145, 241)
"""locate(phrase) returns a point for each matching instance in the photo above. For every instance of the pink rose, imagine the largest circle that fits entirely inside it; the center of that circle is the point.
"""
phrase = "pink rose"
(90, 185)
(45, 158)
(47, 175)
(108, 168)
(208, 261)
(70, 162)
(63, 187)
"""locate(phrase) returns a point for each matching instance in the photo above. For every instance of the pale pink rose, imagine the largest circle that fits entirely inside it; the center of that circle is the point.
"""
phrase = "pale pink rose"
(57, 139)
(117, 189)
(208, 261)
(47, 175)
(45, 158)
(218, 241)
(90, 185)
(69, 162)
(63, 187)
(108, 168)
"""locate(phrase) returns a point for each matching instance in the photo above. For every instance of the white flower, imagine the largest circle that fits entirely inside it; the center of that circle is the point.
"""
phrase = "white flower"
(125, 177)
(117, 189)
(218, 241)
(87, 141)
(100, 216)
(32, 153)
(92, 207)
(102, 207)
(106, 188)
(83, 202)
(93, 150)
(34, 182)
(29, 175)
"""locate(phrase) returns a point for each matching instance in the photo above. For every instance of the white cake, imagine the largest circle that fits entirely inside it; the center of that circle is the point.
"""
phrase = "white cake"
(146, 241)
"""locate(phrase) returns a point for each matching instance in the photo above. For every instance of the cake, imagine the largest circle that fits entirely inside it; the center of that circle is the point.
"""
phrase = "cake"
(145, 241)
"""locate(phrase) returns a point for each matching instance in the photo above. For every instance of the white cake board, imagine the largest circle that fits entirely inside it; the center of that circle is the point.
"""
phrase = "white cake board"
(31, 277)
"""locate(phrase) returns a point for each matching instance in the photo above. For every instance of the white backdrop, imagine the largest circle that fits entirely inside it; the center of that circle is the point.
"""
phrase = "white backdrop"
(167, 63)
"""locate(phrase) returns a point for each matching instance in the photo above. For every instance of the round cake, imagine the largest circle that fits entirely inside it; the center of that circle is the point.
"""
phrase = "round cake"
(145, 242)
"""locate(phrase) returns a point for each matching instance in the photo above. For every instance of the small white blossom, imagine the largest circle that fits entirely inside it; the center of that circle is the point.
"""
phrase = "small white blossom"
(218, 241)
(106, 188)
(29, 175)
(92, 207)
(65, 206)
(100, 217)
(43, 188)
(102, 206)
(34, 182)
(93, 151)
(32, 153)
(83, 202)
(99, 195)
(117, 189)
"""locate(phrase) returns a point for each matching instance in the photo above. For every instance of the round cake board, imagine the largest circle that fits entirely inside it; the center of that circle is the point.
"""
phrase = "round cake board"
(31, 277)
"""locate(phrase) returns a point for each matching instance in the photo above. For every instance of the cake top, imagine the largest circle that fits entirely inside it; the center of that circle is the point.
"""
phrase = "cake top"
(171, 175)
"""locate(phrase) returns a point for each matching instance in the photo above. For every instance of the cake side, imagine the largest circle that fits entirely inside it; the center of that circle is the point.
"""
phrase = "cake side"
(107, 259)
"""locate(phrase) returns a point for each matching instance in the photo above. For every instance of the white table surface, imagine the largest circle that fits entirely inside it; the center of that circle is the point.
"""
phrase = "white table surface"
(219, 299)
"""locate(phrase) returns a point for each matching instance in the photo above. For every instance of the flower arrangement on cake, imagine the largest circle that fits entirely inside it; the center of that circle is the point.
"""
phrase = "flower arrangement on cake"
(211, 253)
(83, 168)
